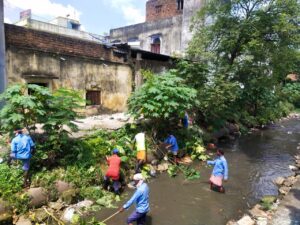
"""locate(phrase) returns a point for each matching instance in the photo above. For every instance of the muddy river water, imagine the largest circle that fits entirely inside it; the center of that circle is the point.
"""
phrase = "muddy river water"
(255, 160)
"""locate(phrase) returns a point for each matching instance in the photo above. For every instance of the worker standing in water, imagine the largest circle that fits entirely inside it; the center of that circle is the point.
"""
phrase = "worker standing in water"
(141, 199)
(219, 172)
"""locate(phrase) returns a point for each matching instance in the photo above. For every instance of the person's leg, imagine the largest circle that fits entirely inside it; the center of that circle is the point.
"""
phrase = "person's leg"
(175, 159)
(139, 166)
(134, 216)
(116, 186)
(222, 189)
(26, 166)
(142, 219)
(105, 182)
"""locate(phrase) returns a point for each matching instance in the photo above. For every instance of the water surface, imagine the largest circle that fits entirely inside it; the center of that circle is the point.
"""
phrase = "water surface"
(255, 160)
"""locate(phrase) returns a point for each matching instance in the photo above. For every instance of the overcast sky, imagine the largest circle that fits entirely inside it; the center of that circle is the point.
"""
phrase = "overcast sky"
(96, 16)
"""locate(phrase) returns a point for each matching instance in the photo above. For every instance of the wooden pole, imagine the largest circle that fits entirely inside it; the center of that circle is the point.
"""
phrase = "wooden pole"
(108, 218)
(2, 51)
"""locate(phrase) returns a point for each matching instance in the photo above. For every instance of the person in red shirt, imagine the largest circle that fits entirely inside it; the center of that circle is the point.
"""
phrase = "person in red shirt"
(113, 172)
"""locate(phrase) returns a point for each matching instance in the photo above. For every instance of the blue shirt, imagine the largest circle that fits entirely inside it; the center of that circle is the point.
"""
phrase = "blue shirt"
(171, 140)
(220, 167)
(185, 121)
(21, 146)
(141, 198)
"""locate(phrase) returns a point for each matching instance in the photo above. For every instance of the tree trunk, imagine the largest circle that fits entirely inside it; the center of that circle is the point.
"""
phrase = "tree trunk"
(2, 51)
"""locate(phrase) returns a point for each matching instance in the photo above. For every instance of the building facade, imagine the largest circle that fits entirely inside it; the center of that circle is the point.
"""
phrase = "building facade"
(166, 29)
(60, 25)
(106, 75)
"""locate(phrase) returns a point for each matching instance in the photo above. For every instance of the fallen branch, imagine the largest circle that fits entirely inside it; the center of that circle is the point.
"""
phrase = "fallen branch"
(53, 217)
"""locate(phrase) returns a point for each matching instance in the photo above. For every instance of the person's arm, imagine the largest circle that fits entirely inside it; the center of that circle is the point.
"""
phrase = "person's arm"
(131, 200)
(225, 170)
(173, 142)
(167, 141)
(211, 162)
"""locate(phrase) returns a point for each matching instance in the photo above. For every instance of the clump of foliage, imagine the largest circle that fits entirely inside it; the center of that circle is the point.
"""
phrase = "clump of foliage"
(267, 202)
(291, 92)
(11, 187)
(162, 97)
(199, 152)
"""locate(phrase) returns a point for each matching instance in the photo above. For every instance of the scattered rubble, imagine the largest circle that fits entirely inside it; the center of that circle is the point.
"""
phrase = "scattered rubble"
(69, 196)
(62, 186)
(279, 181)
(105, 121)
(290, 181)
(23, 221)
(163, 166)
(246, 220)
(256, 212)
(38, 197)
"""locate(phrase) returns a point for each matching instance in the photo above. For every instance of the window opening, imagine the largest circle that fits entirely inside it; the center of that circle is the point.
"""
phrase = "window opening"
(158, 8)
(93, 98)
(180, 4)
(31, 92)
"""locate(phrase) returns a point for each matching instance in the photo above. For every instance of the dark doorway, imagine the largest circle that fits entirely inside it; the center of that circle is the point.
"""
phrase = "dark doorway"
(155, 46)
(93, 98)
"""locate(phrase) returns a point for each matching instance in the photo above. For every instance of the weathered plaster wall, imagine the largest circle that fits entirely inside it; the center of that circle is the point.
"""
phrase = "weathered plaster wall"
(113, 80)
(169, 29)
(191, 7)
(156, 66)
(38, 57)
(175, 31)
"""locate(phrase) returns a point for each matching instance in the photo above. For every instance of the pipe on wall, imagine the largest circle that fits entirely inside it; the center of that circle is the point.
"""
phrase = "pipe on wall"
(2, 51)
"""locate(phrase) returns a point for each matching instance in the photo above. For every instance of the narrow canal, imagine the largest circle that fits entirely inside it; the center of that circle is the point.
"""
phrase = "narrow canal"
(255, 160)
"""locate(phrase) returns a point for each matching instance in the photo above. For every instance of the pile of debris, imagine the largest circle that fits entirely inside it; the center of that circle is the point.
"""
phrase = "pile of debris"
(44, 212)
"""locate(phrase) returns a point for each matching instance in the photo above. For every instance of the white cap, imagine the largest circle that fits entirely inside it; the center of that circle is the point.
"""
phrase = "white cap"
(138, 176)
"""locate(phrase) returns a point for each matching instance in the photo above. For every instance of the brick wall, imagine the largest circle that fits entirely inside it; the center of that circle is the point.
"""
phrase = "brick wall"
(48, 42)
(161, 9)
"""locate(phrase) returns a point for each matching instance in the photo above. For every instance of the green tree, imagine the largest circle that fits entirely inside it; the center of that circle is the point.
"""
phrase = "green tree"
(21, 109)
(162, 98)
(54, 111)
(252, 42)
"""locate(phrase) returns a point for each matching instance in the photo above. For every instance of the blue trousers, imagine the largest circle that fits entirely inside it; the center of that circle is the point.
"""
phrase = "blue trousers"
(140, 218)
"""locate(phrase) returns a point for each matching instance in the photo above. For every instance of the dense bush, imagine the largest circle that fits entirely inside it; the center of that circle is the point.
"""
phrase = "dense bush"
(11, 187)
(162, 97)
(291, 92)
